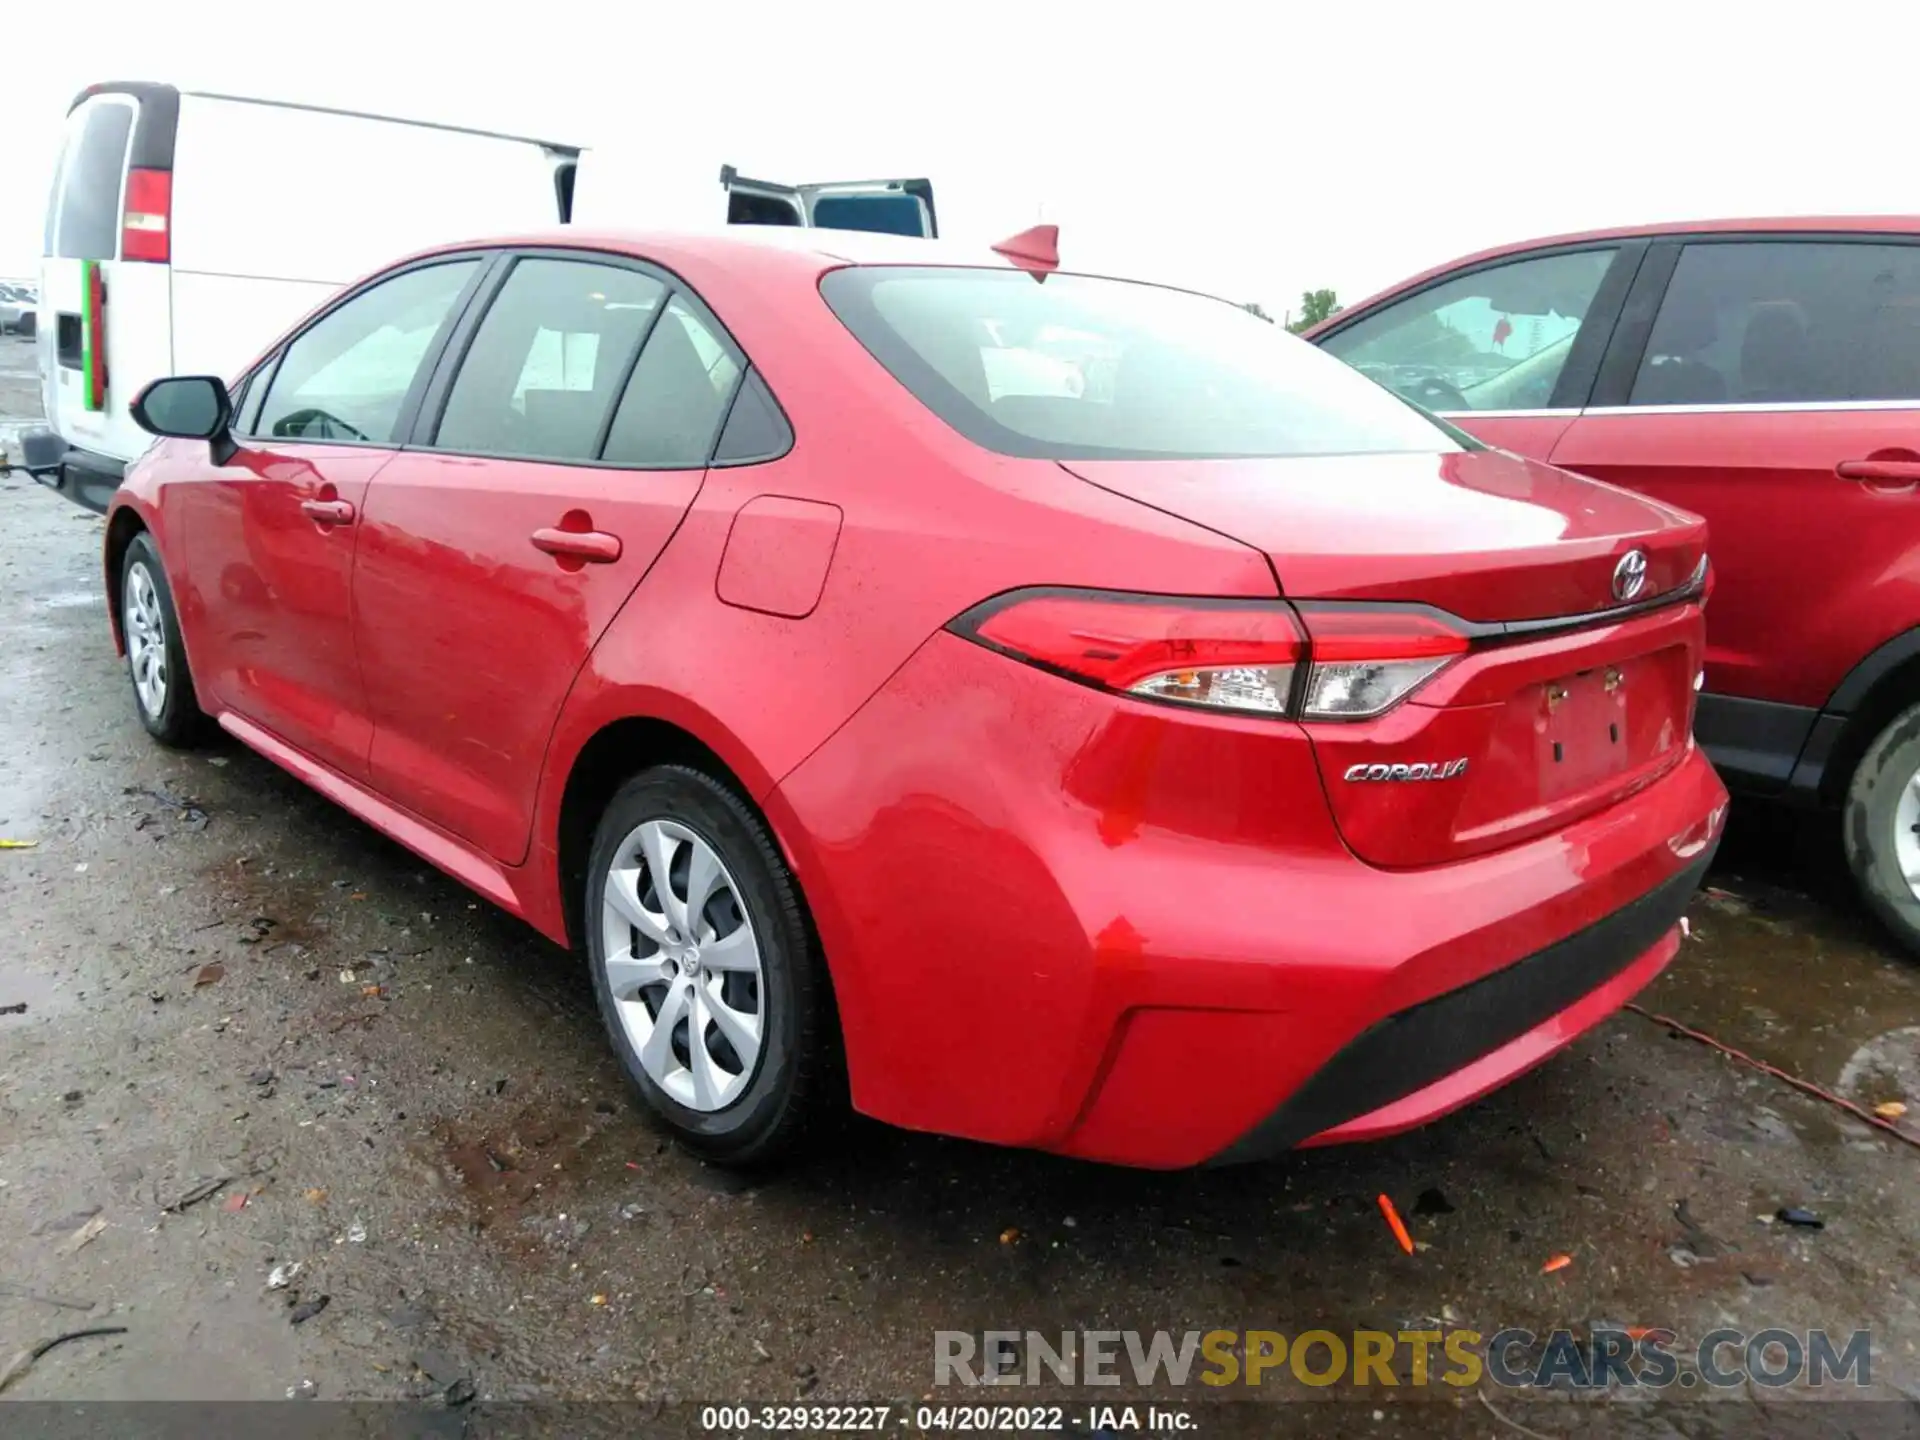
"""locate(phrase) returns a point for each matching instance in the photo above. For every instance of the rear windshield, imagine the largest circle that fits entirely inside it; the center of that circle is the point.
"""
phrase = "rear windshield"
(1082, 368)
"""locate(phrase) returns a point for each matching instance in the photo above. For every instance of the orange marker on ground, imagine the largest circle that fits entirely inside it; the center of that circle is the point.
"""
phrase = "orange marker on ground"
(1396, 1224)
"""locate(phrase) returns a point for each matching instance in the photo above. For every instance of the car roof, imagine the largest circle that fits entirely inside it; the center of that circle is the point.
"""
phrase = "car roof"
(1770, 225)
(762, 247)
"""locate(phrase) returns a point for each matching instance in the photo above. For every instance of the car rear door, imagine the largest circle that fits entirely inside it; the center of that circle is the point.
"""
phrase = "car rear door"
(1507, 349)
(566, 436)
(1771, 383)
(268, 537)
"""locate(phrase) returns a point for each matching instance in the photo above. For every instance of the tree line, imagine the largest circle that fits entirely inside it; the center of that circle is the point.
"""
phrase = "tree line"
(1315, 306)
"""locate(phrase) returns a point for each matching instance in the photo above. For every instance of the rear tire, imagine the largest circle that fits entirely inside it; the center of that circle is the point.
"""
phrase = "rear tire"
(720, 1010)
(163, 693)
(1881, 826)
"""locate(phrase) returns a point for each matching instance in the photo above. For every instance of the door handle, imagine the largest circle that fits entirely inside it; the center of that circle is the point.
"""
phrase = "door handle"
(328, 512)
(1899, 472)
(595, 546)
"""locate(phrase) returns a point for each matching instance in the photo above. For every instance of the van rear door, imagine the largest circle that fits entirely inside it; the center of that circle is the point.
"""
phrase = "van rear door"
(890, 207)
(105, 315)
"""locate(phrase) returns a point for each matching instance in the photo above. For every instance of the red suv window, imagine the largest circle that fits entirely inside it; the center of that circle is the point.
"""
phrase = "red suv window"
(1786, 322)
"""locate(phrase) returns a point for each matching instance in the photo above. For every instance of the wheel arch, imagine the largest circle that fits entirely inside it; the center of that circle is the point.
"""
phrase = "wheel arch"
(1877, 689)
(124, 522)
(611, 756)
(618, 749)
(624, 735)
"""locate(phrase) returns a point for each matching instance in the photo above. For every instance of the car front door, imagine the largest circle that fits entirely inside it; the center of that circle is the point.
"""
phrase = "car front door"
(270, 535)
(1772, 385)
(550, 467)
(1506, 349)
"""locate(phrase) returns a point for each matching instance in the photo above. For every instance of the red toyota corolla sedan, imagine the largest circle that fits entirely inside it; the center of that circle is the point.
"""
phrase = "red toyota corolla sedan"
(1035, 707)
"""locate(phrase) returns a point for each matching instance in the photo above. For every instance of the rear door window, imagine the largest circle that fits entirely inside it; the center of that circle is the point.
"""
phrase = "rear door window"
(547, 363)
(1785, 322)
(91, 174)
(757, 429)
(347, 376)
(1497, 338)
(679, 395)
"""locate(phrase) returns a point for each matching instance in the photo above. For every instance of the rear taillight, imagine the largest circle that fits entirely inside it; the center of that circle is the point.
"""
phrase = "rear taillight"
(1368, 658)
(1349, 662)
(146, 225)
(1225, 656)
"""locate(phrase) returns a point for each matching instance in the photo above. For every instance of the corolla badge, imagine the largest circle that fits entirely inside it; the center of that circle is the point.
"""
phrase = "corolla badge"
(1630, 575)
(1435, 770)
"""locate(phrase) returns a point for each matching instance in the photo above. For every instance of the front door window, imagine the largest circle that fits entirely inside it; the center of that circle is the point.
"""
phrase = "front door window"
(1495, 339)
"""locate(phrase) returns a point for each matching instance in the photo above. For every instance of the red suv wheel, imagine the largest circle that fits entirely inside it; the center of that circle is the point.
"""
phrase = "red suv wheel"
(1882, 827)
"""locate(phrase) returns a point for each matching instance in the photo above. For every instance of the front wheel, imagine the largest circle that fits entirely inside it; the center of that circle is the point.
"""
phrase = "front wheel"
(163, 693)
(1881, 826)
(706, 970)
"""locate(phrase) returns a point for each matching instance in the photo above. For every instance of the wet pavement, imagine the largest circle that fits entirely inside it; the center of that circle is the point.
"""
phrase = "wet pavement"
(258, 1035)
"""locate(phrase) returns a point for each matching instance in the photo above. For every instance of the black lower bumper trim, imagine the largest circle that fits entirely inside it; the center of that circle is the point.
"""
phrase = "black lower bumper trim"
(1410, 1050)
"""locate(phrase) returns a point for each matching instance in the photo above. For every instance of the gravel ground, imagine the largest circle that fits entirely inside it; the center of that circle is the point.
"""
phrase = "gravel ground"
(407, 1095)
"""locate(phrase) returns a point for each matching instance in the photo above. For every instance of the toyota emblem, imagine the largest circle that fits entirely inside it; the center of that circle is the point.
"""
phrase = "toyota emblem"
(1630, 575)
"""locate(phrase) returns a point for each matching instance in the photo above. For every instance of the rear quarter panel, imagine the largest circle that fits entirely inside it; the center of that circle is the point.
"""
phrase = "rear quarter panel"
(932, 525)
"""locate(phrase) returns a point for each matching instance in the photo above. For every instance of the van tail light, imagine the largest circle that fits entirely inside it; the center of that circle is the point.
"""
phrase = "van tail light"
(146, 226)
(1248, 657)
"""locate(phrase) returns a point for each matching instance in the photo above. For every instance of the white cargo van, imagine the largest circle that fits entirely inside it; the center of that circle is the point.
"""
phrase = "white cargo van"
(187, 230)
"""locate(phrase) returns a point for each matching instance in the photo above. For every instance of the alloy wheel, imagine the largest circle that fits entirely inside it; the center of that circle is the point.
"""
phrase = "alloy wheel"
(683, 965)
(1906, 832)
(145, 624)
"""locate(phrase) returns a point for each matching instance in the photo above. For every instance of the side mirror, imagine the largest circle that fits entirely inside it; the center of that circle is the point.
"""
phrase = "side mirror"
(188, 407)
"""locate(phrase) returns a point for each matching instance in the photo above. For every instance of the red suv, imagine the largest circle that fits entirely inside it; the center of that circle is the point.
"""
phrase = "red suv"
(1766, 375)
(1091, 716)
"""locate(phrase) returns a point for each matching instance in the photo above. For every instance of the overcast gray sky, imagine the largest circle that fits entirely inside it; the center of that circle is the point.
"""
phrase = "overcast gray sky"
(1254, 151)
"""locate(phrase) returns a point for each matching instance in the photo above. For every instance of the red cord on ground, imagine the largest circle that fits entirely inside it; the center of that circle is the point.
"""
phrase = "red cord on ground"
(1859, 1112)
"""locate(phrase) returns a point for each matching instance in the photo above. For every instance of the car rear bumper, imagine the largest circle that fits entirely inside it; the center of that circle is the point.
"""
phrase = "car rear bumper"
(1417, 1064)
(1058, 918)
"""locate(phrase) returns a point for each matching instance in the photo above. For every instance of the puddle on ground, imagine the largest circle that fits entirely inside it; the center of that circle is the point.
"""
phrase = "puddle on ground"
(1804, 981)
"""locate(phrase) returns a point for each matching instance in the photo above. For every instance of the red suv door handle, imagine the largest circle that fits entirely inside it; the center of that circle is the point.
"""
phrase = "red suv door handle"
(328, 512)
(595, 546)
(1898, 472)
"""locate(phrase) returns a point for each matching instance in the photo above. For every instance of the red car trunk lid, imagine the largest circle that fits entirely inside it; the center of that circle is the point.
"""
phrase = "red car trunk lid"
(1484, 535)
(1538, 723)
